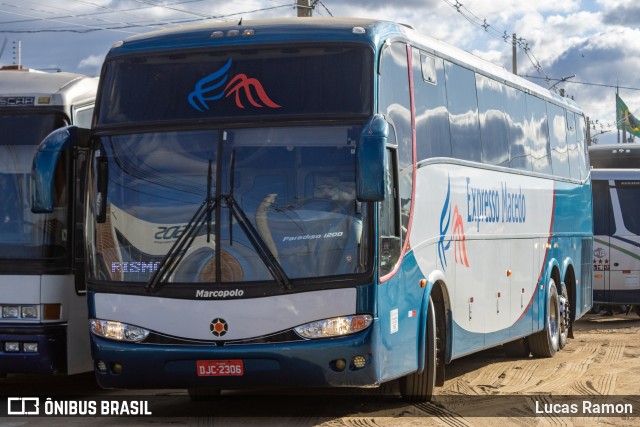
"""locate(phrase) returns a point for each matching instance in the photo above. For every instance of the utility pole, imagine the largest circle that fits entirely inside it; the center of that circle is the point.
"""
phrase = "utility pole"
(304, 8)
(514, 59)
(17, 52)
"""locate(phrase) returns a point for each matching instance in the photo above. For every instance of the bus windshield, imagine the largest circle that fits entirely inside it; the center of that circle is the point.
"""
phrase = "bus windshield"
(24, 235)
(281, 192)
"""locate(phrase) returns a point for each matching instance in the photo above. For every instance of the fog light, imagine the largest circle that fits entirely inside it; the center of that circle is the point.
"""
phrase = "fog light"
(30, 347)
(359, 362)
(338, 365)
(101, 366)
(12, 346)
(116, 368)
(10, 311)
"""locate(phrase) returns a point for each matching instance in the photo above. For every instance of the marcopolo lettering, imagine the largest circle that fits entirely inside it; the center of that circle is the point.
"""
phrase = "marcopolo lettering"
(227, 293)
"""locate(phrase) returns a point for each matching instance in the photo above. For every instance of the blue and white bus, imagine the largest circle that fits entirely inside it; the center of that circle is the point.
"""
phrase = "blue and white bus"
(325, 202)
(43, 328)
(616, 229)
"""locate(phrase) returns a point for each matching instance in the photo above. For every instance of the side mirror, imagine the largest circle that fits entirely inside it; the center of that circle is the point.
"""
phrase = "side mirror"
(45, 162)
(370, 164)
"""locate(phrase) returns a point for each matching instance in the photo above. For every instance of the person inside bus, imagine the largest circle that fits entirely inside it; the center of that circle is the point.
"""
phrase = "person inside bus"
(330, 187)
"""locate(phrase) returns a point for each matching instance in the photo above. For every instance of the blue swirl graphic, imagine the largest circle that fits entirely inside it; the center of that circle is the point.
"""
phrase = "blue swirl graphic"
(444, 227)
(199, 97)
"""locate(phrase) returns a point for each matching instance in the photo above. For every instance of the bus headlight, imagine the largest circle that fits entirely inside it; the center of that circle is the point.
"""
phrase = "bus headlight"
(118, 331)
(335, 326)
(29, 312)
(10, 311)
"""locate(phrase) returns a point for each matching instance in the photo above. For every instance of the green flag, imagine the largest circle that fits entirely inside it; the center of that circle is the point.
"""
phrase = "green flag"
(626, 120)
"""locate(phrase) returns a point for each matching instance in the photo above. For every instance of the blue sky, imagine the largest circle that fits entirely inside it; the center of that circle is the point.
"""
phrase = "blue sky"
(594, 40)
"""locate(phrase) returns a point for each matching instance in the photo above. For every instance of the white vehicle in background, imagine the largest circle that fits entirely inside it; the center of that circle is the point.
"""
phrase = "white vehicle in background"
(43, 326)
(616, 204)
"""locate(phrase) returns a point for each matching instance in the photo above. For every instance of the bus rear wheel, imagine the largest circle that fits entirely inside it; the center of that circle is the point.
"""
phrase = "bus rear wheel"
(565, 318)
(419, 387)
(546, 343)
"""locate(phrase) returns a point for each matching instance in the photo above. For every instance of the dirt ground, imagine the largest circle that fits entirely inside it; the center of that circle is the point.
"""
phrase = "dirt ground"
(600, 366)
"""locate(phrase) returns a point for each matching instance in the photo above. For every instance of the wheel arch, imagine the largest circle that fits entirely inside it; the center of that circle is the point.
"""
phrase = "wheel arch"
(569, 283)
(437, 290)
(553, 271)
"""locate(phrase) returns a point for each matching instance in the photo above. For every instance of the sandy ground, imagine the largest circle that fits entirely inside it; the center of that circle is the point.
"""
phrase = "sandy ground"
(600, 366)
(597, 370)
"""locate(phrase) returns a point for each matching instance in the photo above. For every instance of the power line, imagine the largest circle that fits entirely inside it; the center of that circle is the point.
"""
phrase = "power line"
(322, 4)
(585, 83)
(482, 23)
(87, 27)
(123, 26)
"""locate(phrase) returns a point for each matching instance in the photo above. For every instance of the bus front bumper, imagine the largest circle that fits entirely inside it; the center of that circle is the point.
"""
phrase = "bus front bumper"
(29, 349)
(317, 363)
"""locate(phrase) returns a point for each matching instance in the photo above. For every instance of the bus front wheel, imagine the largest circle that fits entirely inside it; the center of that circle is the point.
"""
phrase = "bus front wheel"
(546, 343)
(419, 387)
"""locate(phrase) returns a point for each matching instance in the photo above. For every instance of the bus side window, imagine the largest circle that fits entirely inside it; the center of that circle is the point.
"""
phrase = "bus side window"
(538, 135)
(558, 141)
(463, 113)
(583, 149)
(519, 147)
(395, 103)
(493, 121)
(601, 208)
(432, 117)
(388, 218)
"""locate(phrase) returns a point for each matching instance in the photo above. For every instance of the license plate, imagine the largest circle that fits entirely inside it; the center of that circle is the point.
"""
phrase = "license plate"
(220, 368)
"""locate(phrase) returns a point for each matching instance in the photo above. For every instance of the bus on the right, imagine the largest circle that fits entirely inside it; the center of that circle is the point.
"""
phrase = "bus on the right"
(616, 227)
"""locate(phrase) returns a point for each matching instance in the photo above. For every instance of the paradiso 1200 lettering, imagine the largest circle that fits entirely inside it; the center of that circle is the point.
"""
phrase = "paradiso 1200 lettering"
(208, 89)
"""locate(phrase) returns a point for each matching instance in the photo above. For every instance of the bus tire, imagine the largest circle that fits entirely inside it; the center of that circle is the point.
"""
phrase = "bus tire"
(565, 318)
(203, 394)
(419, 387)
(546, 343)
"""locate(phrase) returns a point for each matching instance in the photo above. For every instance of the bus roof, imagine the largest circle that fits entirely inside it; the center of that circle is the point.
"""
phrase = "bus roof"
(61, 88)
(318, 29)
(615, 174)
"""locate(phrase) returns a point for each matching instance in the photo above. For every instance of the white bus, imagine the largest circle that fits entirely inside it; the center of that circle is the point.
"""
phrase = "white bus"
(43, 328)
(616, 219)
(396, 205)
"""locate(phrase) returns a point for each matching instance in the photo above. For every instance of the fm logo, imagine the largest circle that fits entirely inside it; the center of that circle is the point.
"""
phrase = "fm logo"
(214, 86)
(458, 235)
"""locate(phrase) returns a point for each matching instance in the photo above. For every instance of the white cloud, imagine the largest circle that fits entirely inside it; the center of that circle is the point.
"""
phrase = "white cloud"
(91, 62)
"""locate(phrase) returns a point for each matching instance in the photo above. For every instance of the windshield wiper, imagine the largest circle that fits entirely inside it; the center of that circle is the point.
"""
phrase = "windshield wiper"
(202, 215)
(258, 243)
(179, 248)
